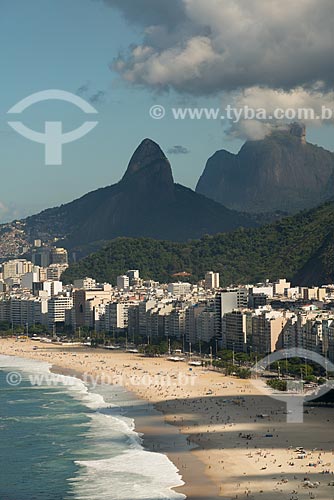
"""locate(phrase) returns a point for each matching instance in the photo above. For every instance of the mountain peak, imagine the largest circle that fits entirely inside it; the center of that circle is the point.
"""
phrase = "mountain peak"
(295, 129)
(279, 173)
(298, 130)
(148, 157)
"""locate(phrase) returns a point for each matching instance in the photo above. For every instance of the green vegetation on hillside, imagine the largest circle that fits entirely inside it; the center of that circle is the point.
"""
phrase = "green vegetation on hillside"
(300, 248)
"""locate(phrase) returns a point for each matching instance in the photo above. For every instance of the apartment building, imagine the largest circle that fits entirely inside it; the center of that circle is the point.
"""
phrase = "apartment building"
(123, 282)
(84, 302)
(211, 280)
(57, 307)
(267, 331)
(237, 328)
(179, 289)
(16, 268)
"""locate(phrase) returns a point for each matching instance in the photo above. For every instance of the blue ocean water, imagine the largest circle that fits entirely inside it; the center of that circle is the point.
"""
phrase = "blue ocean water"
(60, 441)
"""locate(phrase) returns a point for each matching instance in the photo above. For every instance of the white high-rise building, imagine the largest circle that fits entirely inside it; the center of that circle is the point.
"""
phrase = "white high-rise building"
(28, 279)
(179, 289)
(27, 311)
(56, 308)
(211, 280)
(144, 307)
(117, 315)
(123, 282)
(16, 268)
(228, 302)
(133, 274)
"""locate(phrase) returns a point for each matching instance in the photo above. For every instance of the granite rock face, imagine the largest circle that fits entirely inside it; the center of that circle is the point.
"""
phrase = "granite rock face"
(279, 173)
(144, 203)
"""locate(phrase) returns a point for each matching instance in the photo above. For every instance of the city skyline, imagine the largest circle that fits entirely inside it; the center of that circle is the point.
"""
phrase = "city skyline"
(167, 249)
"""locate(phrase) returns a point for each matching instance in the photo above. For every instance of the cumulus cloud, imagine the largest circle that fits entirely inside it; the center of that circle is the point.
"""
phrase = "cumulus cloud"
(254, 51)
(314, 106)
(178, 150)
(205, 47)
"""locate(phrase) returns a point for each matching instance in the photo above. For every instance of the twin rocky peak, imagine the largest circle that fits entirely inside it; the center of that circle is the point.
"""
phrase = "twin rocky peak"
(278, 173)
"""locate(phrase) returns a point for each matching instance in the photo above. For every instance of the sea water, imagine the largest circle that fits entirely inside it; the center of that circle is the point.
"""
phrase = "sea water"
(63, 441)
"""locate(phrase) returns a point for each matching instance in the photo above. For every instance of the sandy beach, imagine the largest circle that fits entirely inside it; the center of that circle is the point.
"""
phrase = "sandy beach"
(221, 446)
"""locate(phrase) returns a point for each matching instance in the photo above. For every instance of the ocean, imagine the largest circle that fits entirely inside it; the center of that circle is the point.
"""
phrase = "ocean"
(66, 442)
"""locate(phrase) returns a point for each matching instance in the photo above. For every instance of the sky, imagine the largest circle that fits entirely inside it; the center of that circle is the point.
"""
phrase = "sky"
(125, 56)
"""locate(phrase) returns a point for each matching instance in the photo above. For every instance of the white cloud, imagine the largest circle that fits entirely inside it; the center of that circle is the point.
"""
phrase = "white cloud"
(263, 53)
(307, 104)
(206, 47)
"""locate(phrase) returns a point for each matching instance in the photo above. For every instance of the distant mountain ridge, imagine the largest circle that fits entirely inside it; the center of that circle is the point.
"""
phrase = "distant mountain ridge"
(145, 203)
(300, 248)
(279, 173)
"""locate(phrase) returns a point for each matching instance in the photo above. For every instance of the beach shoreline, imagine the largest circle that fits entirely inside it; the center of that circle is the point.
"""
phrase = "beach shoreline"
(156, 433)
(237, 454)
(161, 437)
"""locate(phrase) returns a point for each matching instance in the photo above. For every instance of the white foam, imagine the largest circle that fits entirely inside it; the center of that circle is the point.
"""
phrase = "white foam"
(23, 364)
(39, 373)
(132, 473)
(89, 399)
(135, 474)
(129, 472)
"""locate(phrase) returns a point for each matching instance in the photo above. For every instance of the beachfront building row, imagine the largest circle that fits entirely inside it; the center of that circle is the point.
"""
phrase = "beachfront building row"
(29, 310)
(261, 330)
(265, 330)
(260, 318)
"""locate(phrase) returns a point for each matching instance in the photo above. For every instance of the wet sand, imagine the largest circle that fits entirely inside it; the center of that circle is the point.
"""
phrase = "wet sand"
(235, 454)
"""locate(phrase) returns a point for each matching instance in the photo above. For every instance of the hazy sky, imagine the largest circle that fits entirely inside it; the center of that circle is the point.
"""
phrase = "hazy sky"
(125, 56)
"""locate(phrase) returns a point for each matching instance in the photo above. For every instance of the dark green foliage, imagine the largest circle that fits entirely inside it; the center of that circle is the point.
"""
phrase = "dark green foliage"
(300, 248)
(144, 203)
(231, 369)
(277, 384)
